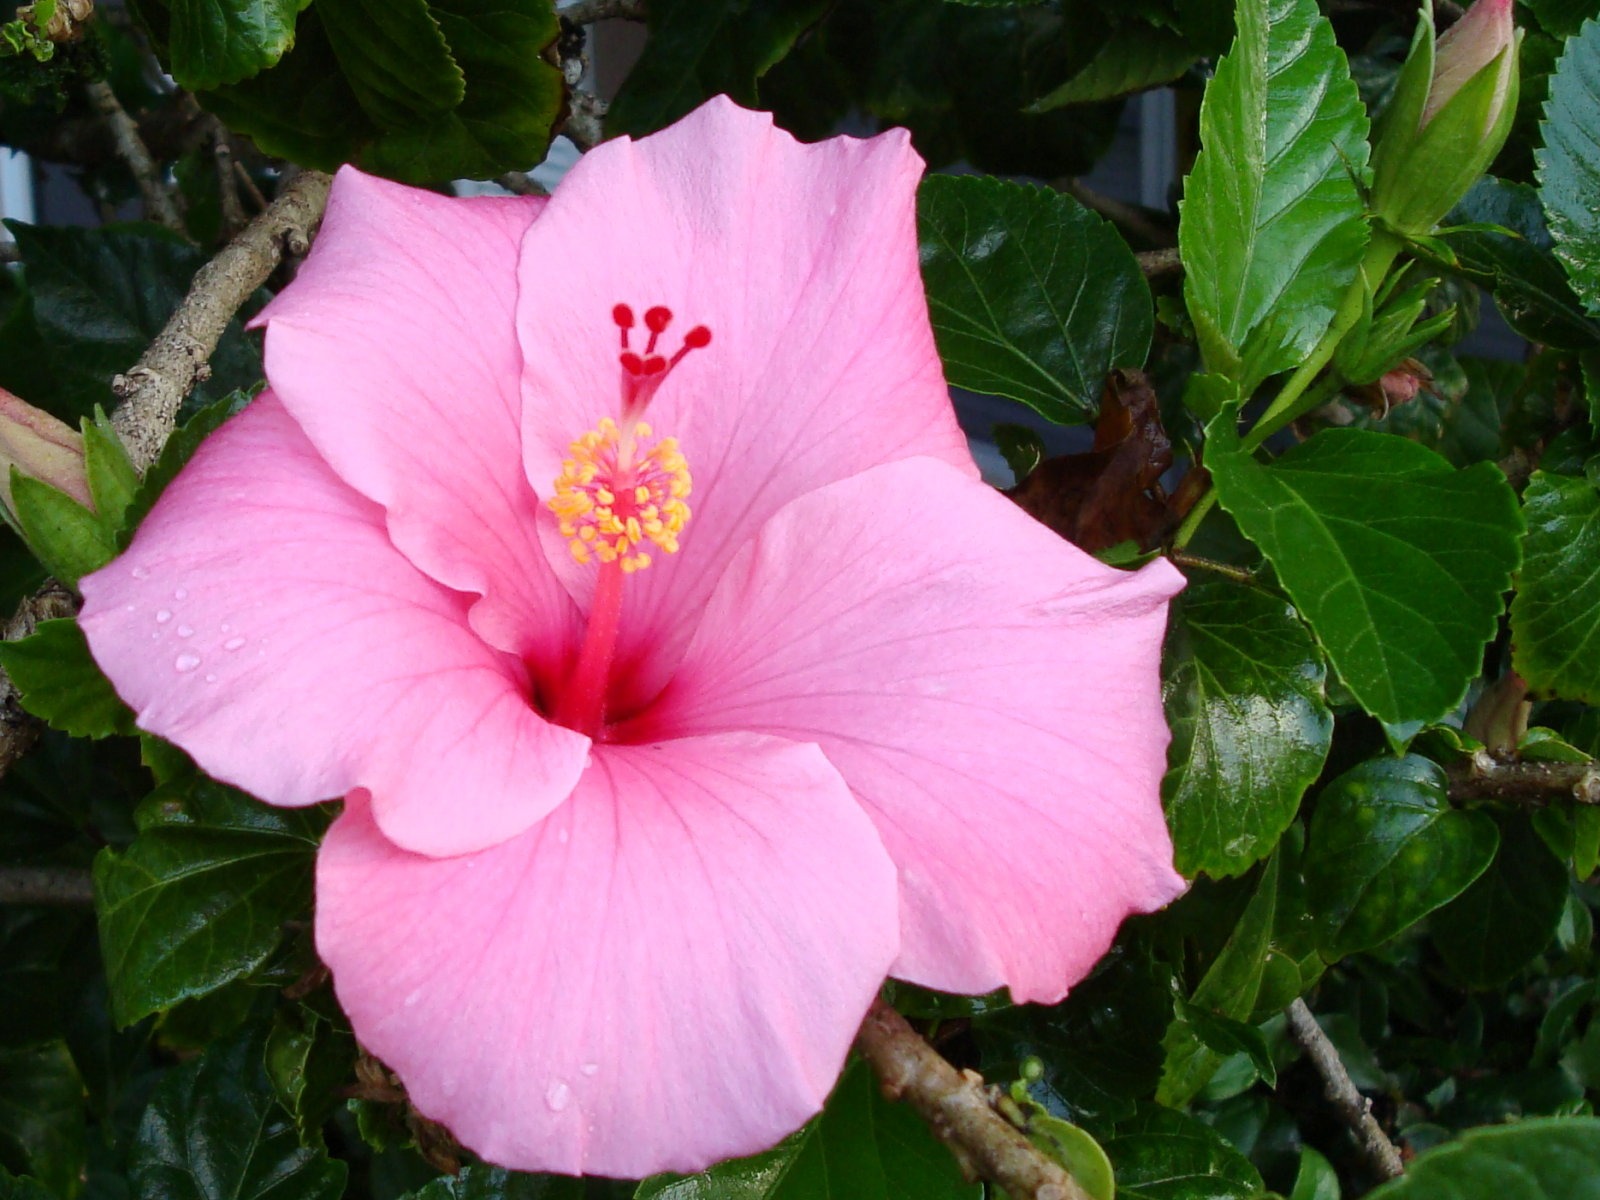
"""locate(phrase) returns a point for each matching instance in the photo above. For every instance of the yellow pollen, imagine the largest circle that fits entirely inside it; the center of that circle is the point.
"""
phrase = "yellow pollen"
(614, 495)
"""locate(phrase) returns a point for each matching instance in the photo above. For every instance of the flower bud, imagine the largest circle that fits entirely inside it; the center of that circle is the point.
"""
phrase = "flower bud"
(1451, 111)
(38, 445)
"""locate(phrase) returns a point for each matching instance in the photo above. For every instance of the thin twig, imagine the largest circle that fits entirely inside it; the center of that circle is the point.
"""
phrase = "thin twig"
(233, 217)
(586, 12)
(153, 389)
(1159, 262)
(1356, 1109)
(520, 183)
(957, 1108)
(1237, 574)
(1483, 777)
(69, 886)
(1140, 222)
(158, 202)
(585, 123)
(20, 729)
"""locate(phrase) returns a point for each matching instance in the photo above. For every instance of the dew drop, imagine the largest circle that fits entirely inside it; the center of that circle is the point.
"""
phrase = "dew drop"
(233, 643)
(226, 628)
(557, 1095)
(589, 1068)
(564, 836)
(140, 573)
(185, 631)
(211, 678)
(163, 616)
(412, 997)
(181, 594)
(133, 608)
(186, 662)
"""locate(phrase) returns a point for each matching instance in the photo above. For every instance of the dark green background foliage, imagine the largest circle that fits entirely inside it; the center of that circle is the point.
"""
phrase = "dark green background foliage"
(1380, 680)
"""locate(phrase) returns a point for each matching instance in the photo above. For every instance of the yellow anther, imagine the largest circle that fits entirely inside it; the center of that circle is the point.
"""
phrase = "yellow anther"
(609, 505)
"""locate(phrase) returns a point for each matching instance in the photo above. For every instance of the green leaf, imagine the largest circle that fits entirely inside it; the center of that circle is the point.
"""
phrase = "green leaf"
(42, 1116)
(1075, 1149)
(223, 41)
(1021, 447)
(64, 535)
(1386, 849)
(1543, 1159)
(1508, 916)
(1561, 18)
(1166, 1155)
(26, 1188)
(483, 1182)
(1134, 58)
(1272, 227)
(308, 108)
(1555, 615)
(214, 1131)
(1250, 727)
(862, 1147)
(100, 297)
(112, 479)
(308, 1061)
(1228, 1037)
(59, 681)
(200, 897)
(1032, 296)
(1397, 560)
(1316, 1179)
(1569, 163)
(698, 48)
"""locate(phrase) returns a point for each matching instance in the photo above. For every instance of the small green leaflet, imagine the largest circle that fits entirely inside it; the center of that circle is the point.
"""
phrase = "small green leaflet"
(1272, 226)
(1553, 1158)
(1555, 616)
(1569, 162)
(59, 682)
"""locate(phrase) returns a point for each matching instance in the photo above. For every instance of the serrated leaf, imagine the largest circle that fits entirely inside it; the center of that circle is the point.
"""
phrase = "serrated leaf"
(698, 48)
(1508, 916)
(1167, 1155)
(59, 682)
(1555, 615)
(1542, 1159)
(1569, 163)
(1134, 58)
(1398, 561)
(394, 57)
(1272, 225)
(214, 1131)
(65, 536)
(213, 42)
(1242, 684)
(200, 897)
(483, 1182)
(1386, 848)
(862, 1147)
(306, 108)
(1561, 18)
(1032, 296)
(100, 297)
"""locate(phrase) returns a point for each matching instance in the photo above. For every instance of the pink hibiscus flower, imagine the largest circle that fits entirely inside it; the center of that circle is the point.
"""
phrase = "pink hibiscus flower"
(628, 846)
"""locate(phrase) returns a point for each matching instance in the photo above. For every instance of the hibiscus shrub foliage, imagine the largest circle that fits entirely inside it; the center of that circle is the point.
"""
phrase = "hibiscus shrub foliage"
(1347, 382)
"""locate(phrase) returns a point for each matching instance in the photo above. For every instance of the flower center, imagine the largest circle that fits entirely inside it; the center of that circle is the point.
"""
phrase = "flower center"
(617, 491)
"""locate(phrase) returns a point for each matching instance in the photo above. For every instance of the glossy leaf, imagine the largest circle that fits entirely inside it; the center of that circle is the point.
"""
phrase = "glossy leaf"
(1272, 224)
(60, 682)
(1386, 849)
(1166, 1155)
(200, 897)
(1555, 616)
(1228, 1037)
(1250, 728)
(1550, 1159)
(309, 1061)
(214, 1131)
(698, 48)
(395, 59)
(223, 41)
(485, 1182)
(63, 535)
(112, 478)
(1134, 58)
(1398, 561)
(862, 1147)
(1032, 296)
(1316, 1179)
(1569, 163)
(1508, 916)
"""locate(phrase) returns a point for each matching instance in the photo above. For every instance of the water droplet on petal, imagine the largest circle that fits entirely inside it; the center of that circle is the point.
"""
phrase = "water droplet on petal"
(140, 573)
(589, 1068)
(211, 678)
(564, 836)
(181, 594)
(412, 997)
(186, 662)
(233, 643)
(185, 631)
(557, 1095)
(226, 628)
(163, 616)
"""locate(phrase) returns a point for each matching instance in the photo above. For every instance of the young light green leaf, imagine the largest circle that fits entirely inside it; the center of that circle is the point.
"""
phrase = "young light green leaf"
(1398, 561)
(1250, 728)
(1272, 227)
(112, 479)
(1555, 615)
(200, 897)
(1316, 1179)
(861, 1148)
(214, 1131)
(1508, 916)
(1554, 1158)
(1386, 849)
(1569, 163)
(64, 535)
(59, 682)
(1032, 296)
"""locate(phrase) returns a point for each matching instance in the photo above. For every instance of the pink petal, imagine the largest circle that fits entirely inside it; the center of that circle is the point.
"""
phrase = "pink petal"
(665, 972)
(990, 694)
(262, 621)
(802, 261)
(395, 349)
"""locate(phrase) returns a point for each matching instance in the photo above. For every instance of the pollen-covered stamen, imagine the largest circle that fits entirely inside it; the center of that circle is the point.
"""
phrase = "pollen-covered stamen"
(615, 494)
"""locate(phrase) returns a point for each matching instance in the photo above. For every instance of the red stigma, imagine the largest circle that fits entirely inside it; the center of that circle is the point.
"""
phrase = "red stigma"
(623, 316)
(650, 365)
(697, 338)
(657, 319)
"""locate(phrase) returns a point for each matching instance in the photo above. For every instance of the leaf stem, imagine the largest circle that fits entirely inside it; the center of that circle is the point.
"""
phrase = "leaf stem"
(1196, 515)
